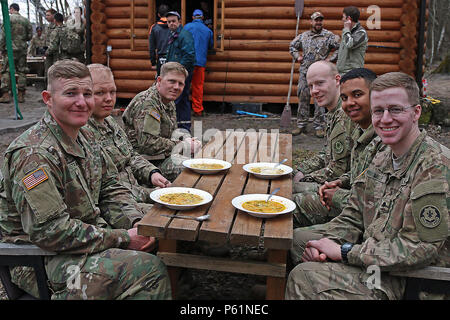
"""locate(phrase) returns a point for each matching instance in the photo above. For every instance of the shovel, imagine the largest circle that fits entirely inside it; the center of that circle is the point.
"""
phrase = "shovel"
(285, 120)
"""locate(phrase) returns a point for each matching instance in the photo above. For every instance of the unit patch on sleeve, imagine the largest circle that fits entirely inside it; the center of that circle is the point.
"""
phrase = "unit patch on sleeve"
(35, 178)
(155, 115)
(430, 217)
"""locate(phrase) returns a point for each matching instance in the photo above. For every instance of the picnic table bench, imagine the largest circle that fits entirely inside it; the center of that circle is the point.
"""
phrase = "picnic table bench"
(228, 225)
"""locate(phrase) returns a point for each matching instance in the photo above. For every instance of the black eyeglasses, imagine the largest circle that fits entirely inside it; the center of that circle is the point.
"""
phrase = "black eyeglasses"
(394, 111)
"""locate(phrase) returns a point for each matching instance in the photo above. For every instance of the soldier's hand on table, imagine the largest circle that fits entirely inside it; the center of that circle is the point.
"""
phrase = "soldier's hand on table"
(326, 192)
(298, 176)
(140, 243)
(327, 248)
(158, 180)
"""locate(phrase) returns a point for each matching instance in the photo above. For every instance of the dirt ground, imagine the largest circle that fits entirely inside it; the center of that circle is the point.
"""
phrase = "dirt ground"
(205, 285)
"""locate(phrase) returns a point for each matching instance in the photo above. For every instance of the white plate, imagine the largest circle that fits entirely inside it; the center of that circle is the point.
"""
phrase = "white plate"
(188, 164)
(238, 201)
(249, 166)
(155, 196)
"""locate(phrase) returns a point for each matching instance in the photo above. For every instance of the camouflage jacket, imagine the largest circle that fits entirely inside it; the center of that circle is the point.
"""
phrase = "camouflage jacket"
(63, 195)
(366, 144)
(21, 32)
(55, 48)
(399, 219)
(315, 47)
(133, 168)
(36, 42)
(149, 123)
(334, 159)
(48, 33)
(352, 49)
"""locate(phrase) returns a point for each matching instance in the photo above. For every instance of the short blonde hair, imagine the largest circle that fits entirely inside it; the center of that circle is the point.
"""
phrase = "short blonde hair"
(173, 67)
(66, 69)
(398, 80)
(100, 68)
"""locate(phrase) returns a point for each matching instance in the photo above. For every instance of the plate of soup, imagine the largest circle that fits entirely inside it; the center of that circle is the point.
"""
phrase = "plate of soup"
(267, 170)
(257, 206)
(180, 198)
(206, 165)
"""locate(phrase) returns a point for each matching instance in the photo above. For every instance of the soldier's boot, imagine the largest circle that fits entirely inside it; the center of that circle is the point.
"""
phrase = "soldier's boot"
(5, 98)
(21, 96)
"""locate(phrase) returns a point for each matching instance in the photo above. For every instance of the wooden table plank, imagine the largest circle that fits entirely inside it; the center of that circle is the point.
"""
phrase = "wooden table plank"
(278, 232)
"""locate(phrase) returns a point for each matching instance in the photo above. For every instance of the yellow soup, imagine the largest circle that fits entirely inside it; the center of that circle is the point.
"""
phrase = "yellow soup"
(181, 198)
(263, 206)
(266, 170)
(206, 166)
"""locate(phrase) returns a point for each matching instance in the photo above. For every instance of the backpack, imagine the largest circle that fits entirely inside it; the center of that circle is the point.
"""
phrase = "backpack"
(71, 43)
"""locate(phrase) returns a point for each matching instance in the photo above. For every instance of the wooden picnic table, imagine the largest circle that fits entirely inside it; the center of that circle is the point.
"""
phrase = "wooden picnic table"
(228, 225)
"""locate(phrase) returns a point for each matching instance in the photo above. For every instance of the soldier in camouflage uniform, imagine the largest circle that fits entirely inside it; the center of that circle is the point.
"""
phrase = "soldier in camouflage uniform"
(21, 32)
(151, 124)
(37, 44)
(135, 172)
(332, 196)
(50, 17)
(316, 45)
(397, 216)
(334, 159)
(57, 38)
(62, 194)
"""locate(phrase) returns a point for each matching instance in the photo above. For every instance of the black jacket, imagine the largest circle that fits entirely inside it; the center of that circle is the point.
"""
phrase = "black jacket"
(157, 39)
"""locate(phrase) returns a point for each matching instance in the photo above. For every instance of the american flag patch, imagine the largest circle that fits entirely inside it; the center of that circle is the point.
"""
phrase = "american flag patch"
(155, 115)
(35, 178)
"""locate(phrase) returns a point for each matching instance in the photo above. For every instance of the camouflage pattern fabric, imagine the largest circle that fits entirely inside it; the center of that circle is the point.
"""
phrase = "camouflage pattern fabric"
(60, 42)
(315, 47)
(21, 32)
(150, 125)
(352, 49)
(36, 42)
(134, 169)
(397, 219)
(64, 197)
(49, 59)
(334, 159)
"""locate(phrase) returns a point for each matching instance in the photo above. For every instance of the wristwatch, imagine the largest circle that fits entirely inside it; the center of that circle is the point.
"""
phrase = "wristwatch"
(345, 248)
(154, 171)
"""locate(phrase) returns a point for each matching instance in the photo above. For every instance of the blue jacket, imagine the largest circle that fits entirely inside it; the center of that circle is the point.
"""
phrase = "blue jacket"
(203, 40)
(182, 49)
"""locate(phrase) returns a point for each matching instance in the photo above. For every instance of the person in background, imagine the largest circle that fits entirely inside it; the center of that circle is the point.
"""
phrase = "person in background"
(180, 48)
(21, 32)
(203, 41)
(37, 44)
(353, 46)
(157, 39)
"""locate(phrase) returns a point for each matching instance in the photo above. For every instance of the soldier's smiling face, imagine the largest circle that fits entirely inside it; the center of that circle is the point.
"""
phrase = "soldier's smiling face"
(356, 102)
(104, 94)
(70, 102)
(170, 86)
(323, 85)
(317, 24)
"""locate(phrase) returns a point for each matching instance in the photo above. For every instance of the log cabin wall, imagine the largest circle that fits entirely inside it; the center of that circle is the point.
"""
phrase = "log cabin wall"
(255, 63)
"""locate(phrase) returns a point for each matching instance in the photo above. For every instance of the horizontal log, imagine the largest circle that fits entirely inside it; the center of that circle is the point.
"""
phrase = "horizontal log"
(275, 56)
(125, 12)
(135, 74)
(125, 23)
(130, 64)
(99, 38)
(98, 28)
(98, 17)
(305, 24)
(124, 3)
(129, 85)
(254, 77)
(310, 3)
(289, 12)
(99, 59)
(122, 33)
(97, 6)
(268, 34)
(129, 54)
(248, 98)
(142, 44)
(98, 49)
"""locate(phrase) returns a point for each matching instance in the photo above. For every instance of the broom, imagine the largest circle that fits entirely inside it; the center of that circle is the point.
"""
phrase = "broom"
(286, 115)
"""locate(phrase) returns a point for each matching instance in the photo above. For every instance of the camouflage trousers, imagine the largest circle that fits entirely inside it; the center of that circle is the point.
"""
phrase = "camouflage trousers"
(110, 274)
(304, 98)
(309, 210)
(20, 65)
(325, 280)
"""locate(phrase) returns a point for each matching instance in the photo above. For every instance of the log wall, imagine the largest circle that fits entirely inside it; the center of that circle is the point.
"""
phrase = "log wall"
(255, 64)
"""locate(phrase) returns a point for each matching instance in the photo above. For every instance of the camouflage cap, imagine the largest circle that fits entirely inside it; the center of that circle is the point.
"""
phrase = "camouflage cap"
(316, 15)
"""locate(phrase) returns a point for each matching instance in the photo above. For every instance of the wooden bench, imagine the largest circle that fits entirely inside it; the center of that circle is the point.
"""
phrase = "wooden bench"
(429, 279)
(12, 255)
